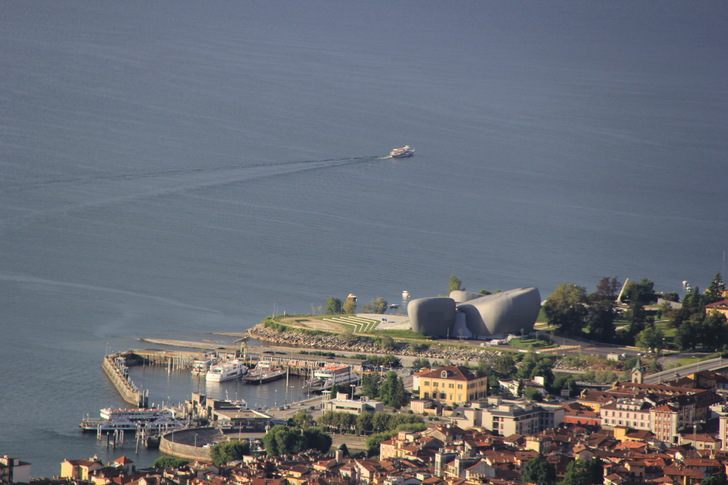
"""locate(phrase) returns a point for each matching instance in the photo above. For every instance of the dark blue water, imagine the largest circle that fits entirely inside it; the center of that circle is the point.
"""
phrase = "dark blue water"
(169, 168)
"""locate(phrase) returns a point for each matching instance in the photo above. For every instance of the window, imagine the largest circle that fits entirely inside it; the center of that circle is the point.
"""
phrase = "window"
(451, 385)
(460, 386)
(427, 383)
(444, 374)
(434, 384)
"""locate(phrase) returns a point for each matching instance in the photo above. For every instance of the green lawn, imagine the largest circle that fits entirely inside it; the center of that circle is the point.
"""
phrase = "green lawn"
(530, 343)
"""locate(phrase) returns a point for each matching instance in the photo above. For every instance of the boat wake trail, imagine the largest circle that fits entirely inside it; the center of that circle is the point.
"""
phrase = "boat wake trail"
(79, 193)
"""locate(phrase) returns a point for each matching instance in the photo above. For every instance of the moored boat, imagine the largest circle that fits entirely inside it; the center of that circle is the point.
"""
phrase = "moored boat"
(405, 151)
(226, 371)
(201, 366)
(134, 420)
(264, 372)
(330, 375)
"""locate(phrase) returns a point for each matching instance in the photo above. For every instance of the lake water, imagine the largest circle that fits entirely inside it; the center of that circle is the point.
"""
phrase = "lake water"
(179, 169)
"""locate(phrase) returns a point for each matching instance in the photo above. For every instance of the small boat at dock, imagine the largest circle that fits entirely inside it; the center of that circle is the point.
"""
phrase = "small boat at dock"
(201, 366)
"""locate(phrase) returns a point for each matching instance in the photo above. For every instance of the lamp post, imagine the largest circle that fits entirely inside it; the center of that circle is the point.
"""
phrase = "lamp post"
(195, 440)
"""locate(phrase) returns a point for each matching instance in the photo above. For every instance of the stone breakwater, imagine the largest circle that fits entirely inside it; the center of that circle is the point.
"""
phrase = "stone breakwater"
(366, 345)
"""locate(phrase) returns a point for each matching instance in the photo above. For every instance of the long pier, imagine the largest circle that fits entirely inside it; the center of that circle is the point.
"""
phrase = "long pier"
(115, 368)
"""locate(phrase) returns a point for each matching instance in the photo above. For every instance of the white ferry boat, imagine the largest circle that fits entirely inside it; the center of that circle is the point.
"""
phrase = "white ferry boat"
(149, 420)
(226, 371)
(328, 376)
(405, 151)
(201, 366)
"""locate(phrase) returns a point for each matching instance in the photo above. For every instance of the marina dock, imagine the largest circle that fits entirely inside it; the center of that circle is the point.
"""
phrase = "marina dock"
(116, 365)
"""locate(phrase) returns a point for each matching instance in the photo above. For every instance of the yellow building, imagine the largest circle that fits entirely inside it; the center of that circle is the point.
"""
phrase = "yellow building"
(80, 469)
(452, 384)
(718, 307)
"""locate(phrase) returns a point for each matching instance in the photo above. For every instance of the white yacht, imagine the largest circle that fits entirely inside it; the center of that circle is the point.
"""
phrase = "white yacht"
(226, 371)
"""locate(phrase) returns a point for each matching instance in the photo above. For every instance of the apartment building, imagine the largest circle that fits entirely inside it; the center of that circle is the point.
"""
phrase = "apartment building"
(451, 384)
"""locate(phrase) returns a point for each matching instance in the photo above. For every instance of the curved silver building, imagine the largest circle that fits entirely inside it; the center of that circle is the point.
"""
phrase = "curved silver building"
(472, 315)
(432, 316)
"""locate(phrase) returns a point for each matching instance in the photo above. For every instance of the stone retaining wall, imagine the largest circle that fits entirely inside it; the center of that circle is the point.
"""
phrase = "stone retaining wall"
(181, 443)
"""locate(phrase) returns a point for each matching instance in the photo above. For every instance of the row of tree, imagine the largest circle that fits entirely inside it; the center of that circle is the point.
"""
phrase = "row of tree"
(574, 312)
(334, 306)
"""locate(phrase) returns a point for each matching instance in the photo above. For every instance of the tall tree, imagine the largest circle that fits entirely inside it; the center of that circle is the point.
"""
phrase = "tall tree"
(370, 385)
(392, 392)
(455, 284)
(651, 338)
(601, 310)
(566, 308)
(333, 306)
(638, 294)
(715, 289)
(539, 471)
(349, 306)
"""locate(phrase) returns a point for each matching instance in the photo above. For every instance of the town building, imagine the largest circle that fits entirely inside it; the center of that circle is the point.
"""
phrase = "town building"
(12, 470)
(341, 403)
(511, 416)
(452, 384)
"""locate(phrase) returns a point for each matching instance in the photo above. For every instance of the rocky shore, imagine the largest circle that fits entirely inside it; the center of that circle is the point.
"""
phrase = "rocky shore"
(366, 345)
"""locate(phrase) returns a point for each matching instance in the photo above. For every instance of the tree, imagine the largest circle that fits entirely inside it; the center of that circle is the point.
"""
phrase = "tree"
(391, 391)
(456, 284)
(333, 306)
(651, 338)
(387, 343)
(715, 331)
(687, 336)
(379, 305)
(169, 462)
(302, 419)
(504, 365)
(380, 421)
(642, 291)
(345, 449)
(715, 289)
(370, 385)
(316, 439)
(350, 306)
(420, 363)
(282, 440)
(539, 471)
(719, 479)
(365, 423)
(566, 308)
(601, 310)
(580, 472)
(223, 453)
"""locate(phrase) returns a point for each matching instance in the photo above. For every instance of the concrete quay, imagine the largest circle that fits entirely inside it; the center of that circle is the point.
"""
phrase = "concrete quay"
(117, 374)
